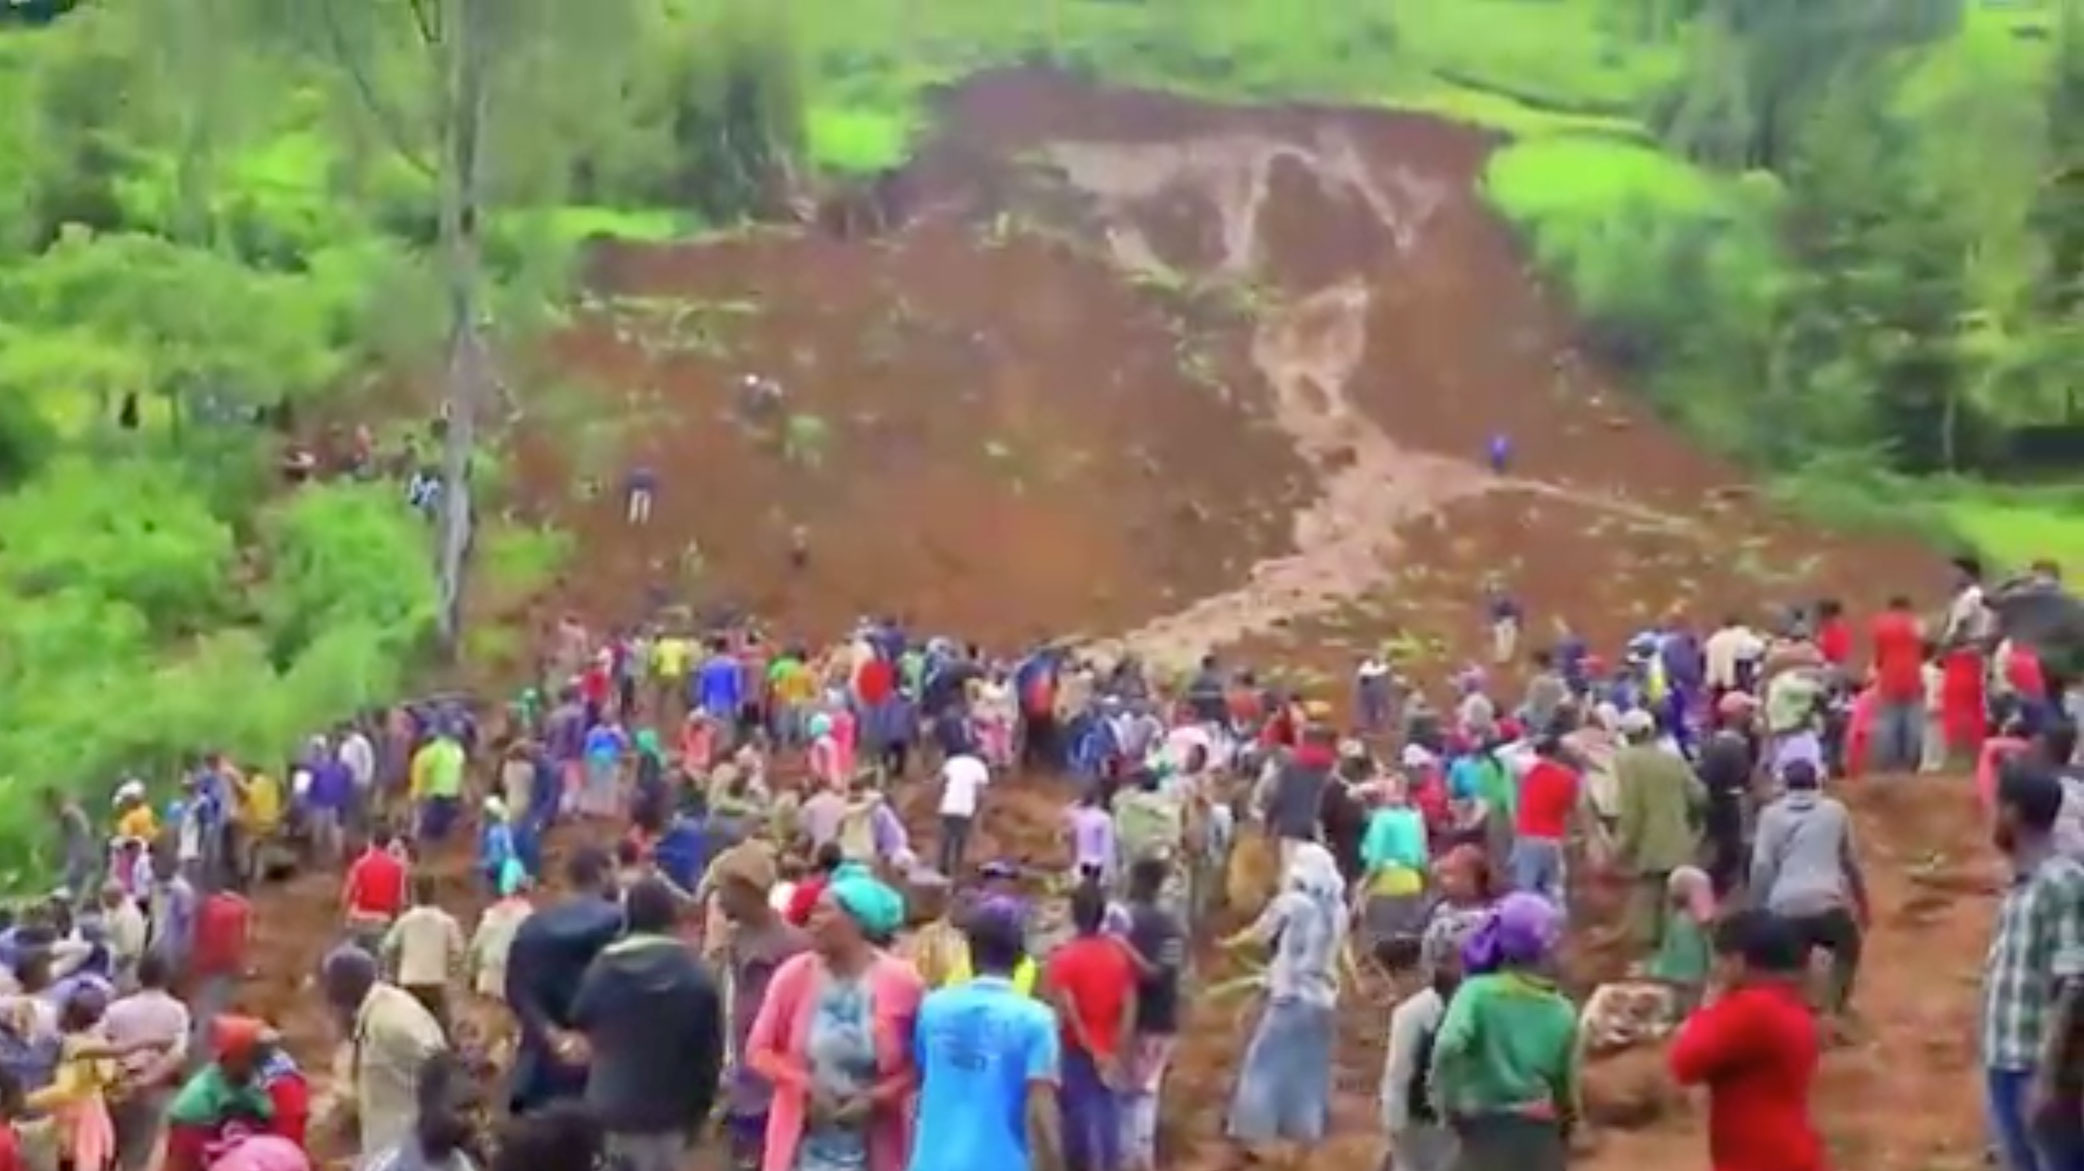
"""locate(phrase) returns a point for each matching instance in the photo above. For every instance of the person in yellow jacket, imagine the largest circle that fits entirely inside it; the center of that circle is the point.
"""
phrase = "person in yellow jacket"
(258, 812)
(437, 784)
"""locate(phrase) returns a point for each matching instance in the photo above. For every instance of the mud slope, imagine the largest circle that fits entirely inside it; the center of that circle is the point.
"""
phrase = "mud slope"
(992, 433)
(1394, 330)
(1138, 366)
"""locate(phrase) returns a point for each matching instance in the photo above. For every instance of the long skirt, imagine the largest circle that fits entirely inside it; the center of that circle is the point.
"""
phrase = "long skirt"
(600, 793)
(1961, 701)
(1284, 1087)
(1506, 1142)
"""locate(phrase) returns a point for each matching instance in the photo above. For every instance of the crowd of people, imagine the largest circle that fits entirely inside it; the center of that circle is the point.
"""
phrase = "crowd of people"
(754, 944)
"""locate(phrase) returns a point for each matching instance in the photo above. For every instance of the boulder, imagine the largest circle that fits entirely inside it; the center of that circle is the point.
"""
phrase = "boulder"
(1630, 1089)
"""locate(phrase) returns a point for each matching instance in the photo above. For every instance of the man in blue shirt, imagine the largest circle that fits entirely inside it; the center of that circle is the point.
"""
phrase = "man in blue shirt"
(720, 684)
(987, 1058)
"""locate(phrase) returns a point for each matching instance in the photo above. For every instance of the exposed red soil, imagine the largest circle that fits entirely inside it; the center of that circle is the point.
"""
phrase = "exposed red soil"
(1013, 445)
(1122, 344)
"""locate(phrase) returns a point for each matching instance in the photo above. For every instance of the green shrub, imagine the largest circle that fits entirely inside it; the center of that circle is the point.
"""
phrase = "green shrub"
(346, 555)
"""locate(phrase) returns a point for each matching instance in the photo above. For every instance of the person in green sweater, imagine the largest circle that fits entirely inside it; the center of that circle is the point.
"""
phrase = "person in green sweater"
(1504, 1063)
(1683, 956)
(1661, 800)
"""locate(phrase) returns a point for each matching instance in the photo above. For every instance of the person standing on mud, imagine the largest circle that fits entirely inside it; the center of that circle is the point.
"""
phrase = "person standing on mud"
(1755, 1050)
(1293, 804)
(549, 955)
(394, 1036)
(1660, 798)
(1804, 866)
(639, 490)
(651, 1019)
(2033, 983)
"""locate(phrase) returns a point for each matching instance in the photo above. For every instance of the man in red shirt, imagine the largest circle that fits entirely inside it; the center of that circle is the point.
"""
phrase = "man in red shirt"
(1833, 634)
(223, 928)
(1755, 1048)
(1899, 688)
(1548, 802)
(374, 892)
(1092, 982)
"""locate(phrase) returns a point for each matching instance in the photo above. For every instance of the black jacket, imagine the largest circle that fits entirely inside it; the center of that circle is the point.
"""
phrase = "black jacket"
(653, 1018)
(551, 953)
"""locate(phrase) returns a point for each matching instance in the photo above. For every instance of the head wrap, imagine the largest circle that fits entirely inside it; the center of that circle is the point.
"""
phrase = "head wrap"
(820, 724)
(1313, 871)
(867, 899)
(235, 1037)
(1692, 884)
(513, 877)
(647, 743)
(1521, 931)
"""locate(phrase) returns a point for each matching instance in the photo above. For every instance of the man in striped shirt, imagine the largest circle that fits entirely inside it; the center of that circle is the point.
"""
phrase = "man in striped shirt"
(2033, 983)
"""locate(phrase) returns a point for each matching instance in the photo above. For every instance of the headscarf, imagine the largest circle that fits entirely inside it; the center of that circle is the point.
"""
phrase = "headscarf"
(1313, 872)
(1521, 931)
(1692, 884)
(234, 1037)
(513, 876)
(648, 744)
(820, 725)
(868, 900)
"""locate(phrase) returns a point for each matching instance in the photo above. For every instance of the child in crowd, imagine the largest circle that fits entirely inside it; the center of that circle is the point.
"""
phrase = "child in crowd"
(1682, 958)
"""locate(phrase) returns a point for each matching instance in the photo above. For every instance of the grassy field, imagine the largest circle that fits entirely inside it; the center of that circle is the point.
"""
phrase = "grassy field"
(2015, 529)
(1527, 67)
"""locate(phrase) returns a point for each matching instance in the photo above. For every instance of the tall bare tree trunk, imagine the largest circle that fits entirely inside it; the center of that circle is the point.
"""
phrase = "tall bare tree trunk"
(462, 260)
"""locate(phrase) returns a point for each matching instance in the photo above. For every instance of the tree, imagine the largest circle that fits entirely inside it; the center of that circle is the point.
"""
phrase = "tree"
(1873, 324)
(2058, 210)
(444, 82)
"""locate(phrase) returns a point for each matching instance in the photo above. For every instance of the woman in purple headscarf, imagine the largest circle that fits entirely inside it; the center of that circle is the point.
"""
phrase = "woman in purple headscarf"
(1504, 1063)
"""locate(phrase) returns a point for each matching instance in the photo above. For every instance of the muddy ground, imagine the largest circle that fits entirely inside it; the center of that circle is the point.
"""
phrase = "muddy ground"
(1172, 377)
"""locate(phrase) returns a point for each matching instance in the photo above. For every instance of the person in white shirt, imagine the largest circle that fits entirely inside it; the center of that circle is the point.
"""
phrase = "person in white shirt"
(358, 753)
(1932, 749)
(1726, 651)
(124, 921)
(1969, 621)
(963, 778)
(494, 939)
(149, 1014)
(1419, 1138)
(425, 947)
